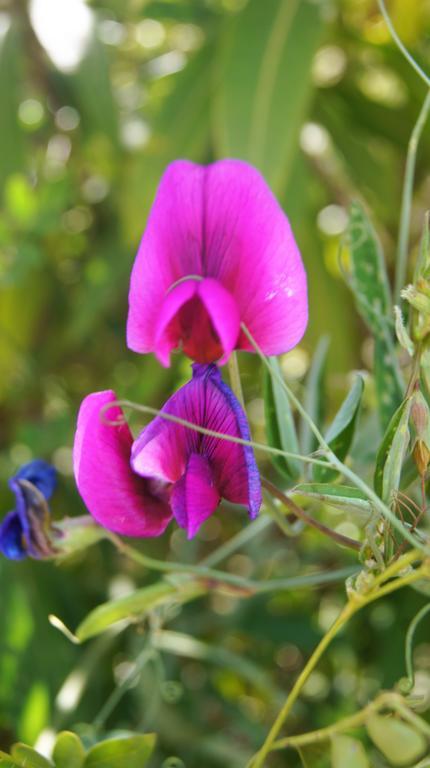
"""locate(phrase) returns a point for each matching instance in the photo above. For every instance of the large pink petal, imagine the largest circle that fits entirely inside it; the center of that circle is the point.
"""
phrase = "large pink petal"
(221, 221)
(117, 498)
(194, 497)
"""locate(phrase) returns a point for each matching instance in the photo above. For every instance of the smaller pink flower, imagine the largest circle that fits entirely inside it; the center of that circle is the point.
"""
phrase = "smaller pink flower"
(217, 251)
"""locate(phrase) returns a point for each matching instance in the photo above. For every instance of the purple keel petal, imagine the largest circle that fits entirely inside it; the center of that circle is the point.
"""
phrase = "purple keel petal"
(194, 497)
(162, 451)
(116, 497)
(223, 222)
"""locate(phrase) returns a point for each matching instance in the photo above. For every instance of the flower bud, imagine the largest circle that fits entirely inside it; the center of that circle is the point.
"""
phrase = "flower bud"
(421, 456)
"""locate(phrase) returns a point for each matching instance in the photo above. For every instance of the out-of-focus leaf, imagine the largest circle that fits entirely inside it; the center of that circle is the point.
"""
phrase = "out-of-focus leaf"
(35, 713)
(131, 752)
(347, 753)
(280, 428)
(369, 283)
(11, 157)
(391, 453)
(132, 607)
(314, 399)
(341, 431)
(93, 92)
(28, 757)
(7, 762)
(344, 497)
(265, 64)
(68, 751)
(399, 742)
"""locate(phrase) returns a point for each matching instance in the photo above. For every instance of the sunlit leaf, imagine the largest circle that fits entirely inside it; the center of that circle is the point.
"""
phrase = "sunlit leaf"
(131, 752)
(264, 71)
(371, 288)
(132, 607)
(346, 751)
(314, 399)
(392, 452)
(280, 428)
(25, 756)
(344, 497)
(341, 431)
(399, 742)
(68, 751)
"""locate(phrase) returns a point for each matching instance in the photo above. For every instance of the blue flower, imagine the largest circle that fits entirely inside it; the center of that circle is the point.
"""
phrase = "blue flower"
(24, 531)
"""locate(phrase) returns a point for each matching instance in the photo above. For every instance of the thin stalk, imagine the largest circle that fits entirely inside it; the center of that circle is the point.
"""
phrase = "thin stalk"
(209, 432)
(246, 587)
(408, 643)
(407, 193)
(239, 540)
(401, 46)
(332, 458)
(235, 382)
(352, 607)
(339, 538)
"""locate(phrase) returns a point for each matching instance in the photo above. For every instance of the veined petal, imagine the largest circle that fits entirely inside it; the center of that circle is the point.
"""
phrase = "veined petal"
(163, 449)
(116, 497)
(194, 496)
(220, 221)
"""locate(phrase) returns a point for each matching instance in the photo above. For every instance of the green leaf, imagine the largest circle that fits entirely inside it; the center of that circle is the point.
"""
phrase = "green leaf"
(7, 762)
(371, 288)
(11, 155)
(132, 752)
(314, 399)
(93, 92)
(132, 607)
(341, 431)
(346, 751)
(68, 751)
(391, 453)
(28, 757)
(280, 428)
(399, 742)
(265, 77)
(344, 497)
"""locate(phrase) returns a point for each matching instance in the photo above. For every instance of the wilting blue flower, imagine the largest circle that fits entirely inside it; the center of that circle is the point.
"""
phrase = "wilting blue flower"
(24, 531)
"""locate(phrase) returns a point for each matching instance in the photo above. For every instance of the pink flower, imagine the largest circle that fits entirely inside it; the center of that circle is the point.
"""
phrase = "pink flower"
(135, 488)
(200, 469)
(117, 498)
(217, 251)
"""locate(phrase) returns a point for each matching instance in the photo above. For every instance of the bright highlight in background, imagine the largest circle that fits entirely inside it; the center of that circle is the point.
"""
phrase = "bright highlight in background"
(63, 28)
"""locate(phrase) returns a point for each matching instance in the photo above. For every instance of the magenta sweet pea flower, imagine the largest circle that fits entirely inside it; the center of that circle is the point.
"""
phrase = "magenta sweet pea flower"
(118, 499)
(217, 251)
(200, 470)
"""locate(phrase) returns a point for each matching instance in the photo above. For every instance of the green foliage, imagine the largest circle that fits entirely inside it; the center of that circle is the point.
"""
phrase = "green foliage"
(400, 743)
(280, 428)
(132, 752)
(341, 431)
(346, 751)
(392, 452)
(68, 751)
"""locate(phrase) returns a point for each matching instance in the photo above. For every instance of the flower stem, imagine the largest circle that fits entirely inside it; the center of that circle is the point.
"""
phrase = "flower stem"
(355, 603)
(235, 382)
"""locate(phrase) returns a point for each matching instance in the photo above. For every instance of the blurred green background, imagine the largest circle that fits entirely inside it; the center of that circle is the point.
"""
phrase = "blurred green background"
(96, 98)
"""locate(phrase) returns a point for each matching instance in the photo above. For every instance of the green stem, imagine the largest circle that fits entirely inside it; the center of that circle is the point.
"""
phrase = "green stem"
(243, 586)
(209, 432)
(234, 373)
(353, 606)
(408, 643)
(408, 184)
(401, 45)
(332, 458)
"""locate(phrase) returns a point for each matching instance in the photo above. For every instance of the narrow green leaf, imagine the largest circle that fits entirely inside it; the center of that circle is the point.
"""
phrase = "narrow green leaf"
(348, 752)
(7, 762)
(131, 752)
(28, 757)
(344, 497)
(392, 452)
(341, 431)
(371, 288)
(280, 428)
(11, 56)
(68, 751)
(314, 399)
(93, 92)
(266, 56)
(399, 742)
(134, 606)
